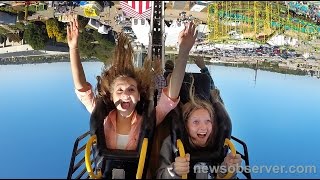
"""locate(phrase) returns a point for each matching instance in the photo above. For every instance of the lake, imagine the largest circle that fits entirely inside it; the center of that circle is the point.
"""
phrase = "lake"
(277, 116)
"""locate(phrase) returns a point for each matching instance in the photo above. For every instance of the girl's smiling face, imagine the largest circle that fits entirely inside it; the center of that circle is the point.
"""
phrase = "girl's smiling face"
(125, 95)
(199, 127)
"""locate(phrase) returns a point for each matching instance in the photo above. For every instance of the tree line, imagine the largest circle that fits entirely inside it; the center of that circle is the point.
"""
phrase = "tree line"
(91, 43)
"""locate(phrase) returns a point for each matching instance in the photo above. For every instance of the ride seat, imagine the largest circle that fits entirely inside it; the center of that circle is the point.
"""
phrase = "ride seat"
(217, 153)
(121, 159)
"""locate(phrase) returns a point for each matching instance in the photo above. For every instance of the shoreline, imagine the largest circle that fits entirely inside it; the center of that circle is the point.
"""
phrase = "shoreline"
(297, 72)
(39, 59)
(264, 66)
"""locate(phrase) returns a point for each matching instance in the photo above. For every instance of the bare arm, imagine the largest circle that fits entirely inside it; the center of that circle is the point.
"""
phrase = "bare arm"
(79, 78)
(187, 39)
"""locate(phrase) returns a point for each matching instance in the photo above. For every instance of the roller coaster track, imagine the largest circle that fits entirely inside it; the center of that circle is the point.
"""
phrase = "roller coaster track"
(258, 18)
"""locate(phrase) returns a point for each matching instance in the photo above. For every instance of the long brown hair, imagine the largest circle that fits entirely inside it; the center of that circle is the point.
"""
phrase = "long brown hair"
(122, 66)
(194, 104)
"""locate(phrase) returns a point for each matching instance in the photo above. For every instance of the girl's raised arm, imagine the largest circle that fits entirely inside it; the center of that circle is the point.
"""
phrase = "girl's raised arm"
(186, 40)
(78, 75)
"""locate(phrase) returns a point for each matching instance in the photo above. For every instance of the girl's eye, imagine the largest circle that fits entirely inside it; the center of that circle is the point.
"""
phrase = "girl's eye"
(131, 90)
(209, 121)
(195, 122)
(119, 90)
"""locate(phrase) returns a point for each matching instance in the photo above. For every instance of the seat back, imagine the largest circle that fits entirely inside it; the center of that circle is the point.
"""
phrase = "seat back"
(201, 85)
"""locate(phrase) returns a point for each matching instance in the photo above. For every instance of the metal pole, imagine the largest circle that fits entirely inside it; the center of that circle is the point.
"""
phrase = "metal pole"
(151, 31)
(163, 40)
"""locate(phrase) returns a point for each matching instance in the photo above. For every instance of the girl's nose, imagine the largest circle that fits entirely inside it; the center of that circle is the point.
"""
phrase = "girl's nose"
(202, 126)
(125, 94)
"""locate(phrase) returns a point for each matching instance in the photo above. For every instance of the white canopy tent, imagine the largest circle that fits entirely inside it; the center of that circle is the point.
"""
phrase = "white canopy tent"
(142, 31)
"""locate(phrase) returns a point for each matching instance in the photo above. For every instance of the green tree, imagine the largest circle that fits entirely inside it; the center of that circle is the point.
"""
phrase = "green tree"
(103, 47)
(85, 44)
(52, 27)
(36, 36)
(94, 44)
(20, 26)
(55, 30)
(103, 53)
(97, 36)
(61, 37)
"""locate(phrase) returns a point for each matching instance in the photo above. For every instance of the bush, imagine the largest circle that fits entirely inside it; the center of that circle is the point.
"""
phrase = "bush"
(85, 45)
(36, 36)
(20, 26)
(55, 30)
(101, 50)
(52, 27)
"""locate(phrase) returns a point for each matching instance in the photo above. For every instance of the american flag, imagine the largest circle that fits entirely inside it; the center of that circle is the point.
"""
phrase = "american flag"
(137, 9)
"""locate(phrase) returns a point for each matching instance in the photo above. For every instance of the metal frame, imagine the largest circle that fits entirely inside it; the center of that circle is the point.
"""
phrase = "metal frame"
(75, 152)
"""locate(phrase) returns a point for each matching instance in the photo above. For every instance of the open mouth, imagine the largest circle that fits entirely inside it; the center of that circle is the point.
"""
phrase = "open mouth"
(125, 105)
(202, 135)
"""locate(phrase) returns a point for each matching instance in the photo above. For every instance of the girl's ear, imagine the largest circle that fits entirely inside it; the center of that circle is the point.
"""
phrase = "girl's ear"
(139, 97)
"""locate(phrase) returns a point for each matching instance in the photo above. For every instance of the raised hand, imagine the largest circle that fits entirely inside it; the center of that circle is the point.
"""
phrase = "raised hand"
(187, 37)
(73, 33)
(78, 75)
(200, 62)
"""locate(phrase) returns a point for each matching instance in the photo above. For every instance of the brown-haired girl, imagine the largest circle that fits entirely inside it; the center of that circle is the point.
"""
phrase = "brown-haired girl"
(125, 86)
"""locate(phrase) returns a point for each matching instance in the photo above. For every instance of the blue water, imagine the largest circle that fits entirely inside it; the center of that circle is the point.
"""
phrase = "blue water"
(277, 116)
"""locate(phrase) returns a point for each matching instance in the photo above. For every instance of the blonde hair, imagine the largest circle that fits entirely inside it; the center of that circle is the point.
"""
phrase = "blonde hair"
(194, 104)
(122, 66)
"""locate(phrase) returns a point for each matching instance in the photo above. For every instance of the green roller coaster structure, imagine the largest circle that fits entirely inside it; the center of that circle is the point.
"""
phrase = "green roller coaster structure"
(256, 21)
